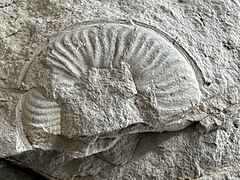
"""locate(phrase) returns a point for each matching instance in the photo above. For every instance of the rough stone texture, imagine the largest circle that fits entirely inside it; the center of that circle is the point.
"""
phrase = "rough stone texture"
(166, 107)
(10, 171)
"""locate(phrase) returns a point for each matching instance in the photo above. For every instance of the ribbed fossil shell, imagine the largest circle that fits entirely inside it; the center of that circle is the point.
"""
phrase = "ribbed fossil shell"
(155, 63)
(40, 115)
(159, 70)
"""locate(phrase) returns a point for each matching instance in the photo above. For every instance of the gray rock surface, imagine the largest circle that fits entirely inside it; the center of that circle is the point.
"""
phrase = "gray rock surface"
(145, 89)
(10, 171)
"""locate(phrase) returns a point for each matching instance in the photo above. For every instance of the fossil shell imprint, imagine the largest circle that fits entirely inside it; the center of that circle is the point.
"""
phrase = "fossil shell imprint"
(157, 67)
(39, 115)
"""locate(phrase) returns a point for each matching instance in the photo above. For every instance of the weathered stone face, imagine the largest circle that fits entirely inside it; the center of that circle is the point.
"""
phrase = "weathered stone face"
(120, 89)
(102, 101)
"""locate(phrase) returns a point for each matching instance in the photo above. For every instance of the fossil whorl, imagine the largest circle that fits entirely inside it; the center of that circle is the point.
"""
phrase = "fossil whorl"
(159, 71)
(39, 115)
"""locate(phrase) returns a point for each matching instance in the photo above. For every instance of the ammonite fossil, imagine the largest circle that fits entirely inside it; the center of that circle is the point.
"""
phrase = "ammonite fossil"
(96, 78)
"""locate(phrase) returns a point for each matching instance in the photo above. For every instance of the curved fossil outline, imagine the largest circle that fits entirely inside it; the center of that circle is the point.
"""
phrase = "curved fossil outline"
(159, 68)
(132, 22)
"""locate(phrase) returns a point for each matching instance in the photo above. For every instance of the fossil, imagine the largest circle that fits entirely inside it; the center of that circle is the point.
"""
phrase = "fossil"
(88, 81)
(38, 113)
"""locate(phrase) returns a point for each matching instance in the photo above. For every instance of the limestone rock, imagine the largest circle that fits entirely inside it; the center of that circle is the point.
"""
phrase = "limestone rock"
(143, 89)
